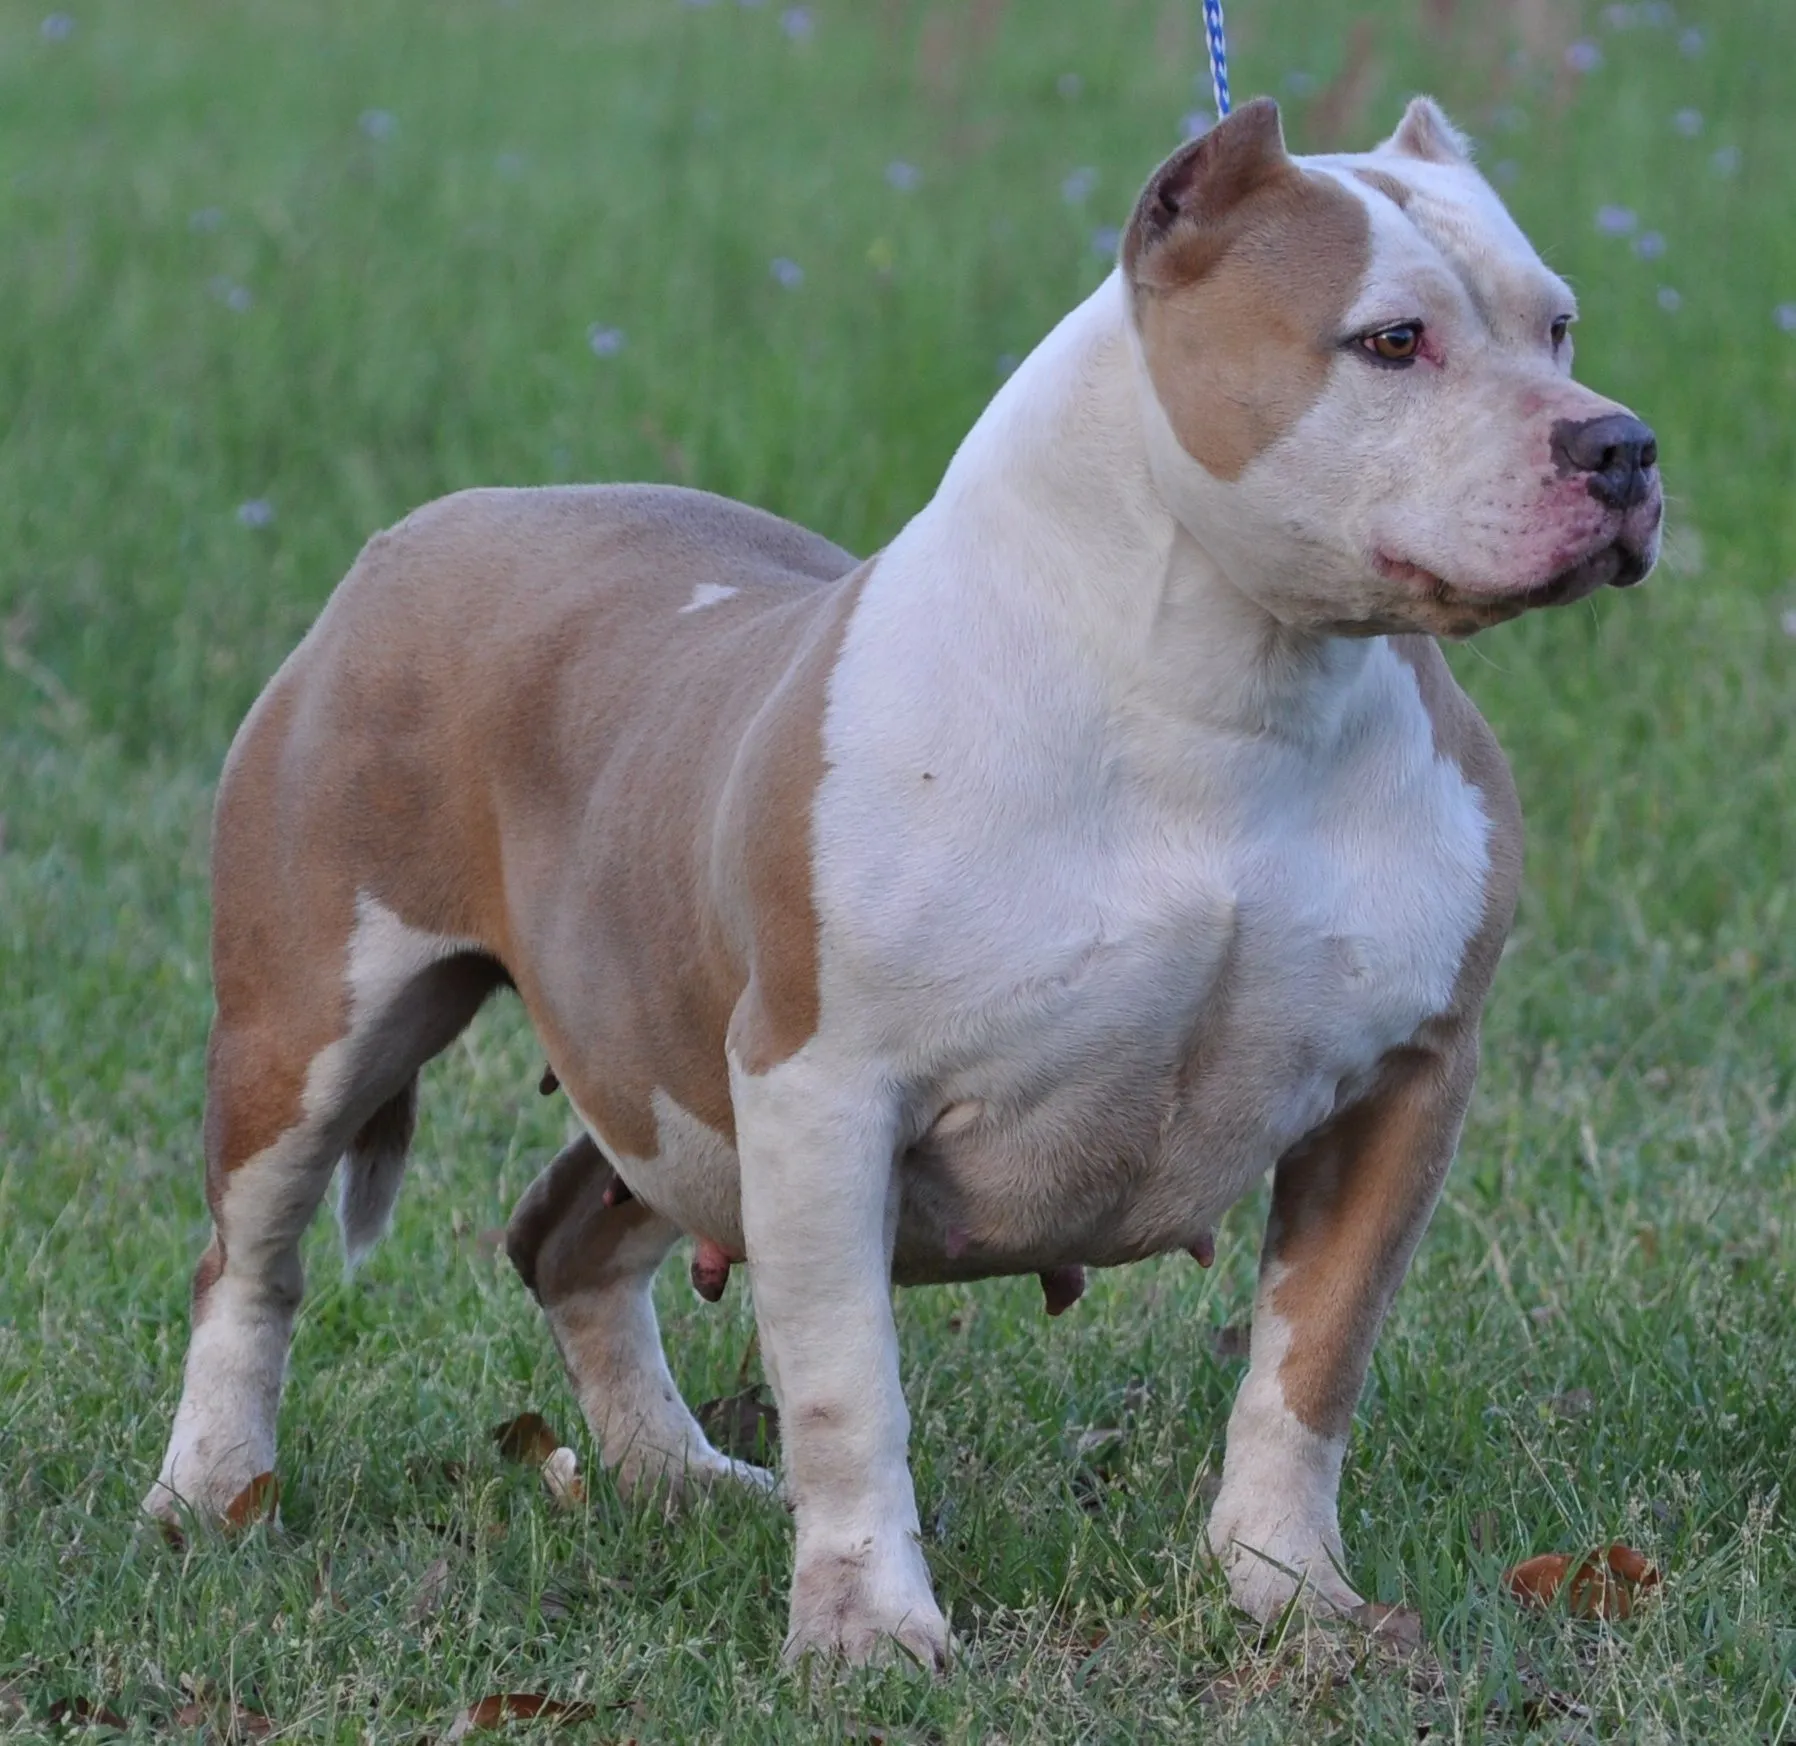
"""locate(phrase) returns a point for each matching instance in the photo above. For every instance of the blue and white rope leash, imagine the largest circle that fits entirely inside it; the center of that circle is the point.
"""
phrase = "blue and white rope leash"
(1219, 56)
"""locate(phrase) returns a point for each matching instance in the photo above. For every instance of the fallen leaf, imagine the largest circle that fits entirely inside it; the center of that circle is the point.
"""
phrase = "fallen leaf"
(561, 1474)
(743, 1426)
(256, 1502)
(516, 1706)
(526, 1438)
(1234, 1341)
(78, 1712)
(1396, 1627)
(1575, 1403)
(429, 1593)
(1604, 1585)
(227, 1720)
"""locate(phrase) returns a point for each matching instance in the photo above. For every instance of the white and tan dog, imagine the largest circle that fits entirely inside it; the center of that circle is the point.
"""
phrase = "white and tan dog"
(1012, 901)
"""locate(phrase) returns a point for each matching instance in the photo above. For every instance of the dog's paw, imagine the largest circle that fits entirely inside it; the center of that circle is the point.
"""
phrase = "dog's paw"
(682, 1478)
(1270, 1563)
(872, 1604)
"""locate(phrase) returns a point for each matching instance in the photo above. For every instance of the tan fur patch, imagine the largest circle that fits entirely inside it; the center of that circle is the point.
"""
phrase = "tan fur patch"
(1350, 1203)
(1239, 310)
(1390, 186)
(505, 729)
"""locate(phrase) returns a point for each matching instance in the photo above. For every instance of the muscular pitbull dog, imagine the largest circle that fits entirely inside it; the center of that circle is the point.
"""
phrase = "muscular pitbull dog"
(1012, 901)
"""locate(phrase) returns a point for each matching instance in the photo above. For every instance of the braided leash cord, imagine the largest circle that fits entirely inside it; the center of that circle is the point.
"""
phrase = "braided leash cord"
(1219, 56)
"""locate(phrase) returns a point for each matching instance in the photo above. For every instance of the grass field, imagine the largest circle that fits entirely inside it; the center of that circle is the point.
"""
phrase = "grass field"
(276, 271)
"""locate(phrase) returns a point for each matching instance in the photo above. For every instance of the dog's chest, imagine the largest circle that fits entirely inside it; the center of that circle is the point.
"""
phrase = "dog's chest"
(1246, 973)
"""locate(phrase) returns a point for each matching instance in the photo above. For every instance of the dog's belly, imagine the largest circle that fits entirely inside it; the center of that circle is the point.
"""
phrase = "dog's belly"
(1100, 1149)
(1139, 1160)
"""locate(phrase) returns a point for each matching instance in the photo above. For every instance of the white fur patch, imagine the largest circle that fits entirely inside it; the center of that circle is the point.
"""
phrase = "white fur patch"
(707, 594)
(1274, 1522)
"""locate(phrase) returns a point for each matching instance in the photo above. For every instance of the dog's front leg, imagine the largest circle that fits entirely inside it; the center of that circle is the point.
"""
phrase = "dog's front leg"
(1348, 1207)
(818, 1200)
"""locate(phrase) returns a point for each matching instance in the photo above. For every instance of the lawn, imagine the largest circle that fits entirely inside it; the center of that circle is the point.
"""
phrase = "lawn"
(276, 271)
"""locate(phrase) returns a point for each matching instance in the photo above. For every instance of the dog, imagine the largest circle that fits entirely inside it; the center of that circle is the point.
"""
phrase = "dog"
(1009, 902)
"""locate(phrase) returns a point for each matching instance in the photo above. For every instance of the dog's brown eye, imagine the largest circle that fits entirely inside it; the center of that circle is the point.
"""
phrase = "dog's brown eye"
(1560, 328)
(1395, 345)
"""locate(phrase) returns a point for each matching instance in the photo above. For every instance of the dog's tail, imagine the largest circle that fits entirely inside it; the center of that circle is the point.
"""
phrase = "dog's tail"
(372, 1170)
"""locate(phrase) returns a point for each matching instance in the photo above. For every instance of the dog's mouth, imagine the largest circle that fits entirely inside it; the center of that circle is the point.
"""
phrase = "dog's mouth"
(1617, 564)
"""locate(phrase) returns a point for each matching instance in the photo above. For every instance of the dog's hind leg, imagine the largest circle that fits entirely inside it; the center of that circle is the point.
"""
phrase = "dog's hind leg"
(589, 1256)
(314, 1057)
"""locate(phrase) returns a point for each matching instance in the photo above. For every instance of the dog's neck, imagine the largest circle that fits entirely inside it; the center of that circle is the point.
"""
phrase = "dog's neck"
(1051, 505)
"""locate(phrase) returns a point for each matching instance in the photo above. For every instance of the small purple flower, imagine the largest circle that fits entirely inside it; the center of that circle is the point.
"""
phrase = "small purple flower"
(1615, 220)
(511, 164)
(1505, 172)
(1069, 85)
(1196, 124)
(606, 342)
(258, 512)
(1658, 14)
(58, 27)
(234, 297)
(1105, 241)
(902, 176)
(1300, 83)
(1785, 317)
(1669, 300)
(1620, 17)
(378, 123)
(1691, 42)
(1726, 162)
(787, 273)
(1511, 118)
(1688, 122)
(1583, 57)
(797, 23)
(1077, 187)
(1007, 361)
(1649, 245)
(206, 220)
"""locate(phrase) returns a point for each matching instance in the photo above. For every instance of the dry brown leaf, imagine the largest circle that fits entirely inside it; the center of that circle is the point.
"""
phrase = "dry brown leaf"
(515, 1706)
(79, 1712)
(429, 1594)
(1605, 1585)
(743, 1425)
(561, 1474)
(228, 1721)
(1396, 1628)
(256, 1502)
(526, 1438)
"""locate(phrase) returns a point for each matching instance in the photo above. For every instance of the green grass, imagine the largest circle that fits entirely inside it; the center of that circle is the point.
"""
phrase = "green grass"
(1623, 1216)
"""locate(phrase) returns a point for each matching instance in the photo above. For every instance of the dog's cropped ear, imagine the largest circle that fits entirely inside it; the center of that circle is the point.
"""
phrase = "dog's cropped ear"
(1426, 133)
(1177, 230)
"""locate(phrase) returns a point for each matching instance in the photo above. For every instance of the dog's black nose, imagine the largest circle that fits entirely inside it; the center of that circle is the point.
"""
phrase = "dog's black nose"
(1616, 450)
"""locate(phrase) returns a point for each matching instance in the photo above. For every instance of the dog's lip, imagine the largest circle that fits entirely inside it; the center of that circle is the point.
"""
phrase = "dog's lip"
(1614, 563)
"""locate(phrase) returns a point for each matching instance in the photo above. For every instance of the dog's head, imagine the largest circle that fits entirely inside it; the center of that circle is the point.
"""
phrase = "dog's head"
(1360, 394)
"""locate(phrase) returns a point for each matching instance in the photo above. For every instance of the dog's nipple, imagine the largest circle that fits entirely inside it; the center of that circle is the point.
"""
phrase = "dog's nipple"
(1203, 1251)
(1061, 1288)
(711, 1265)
